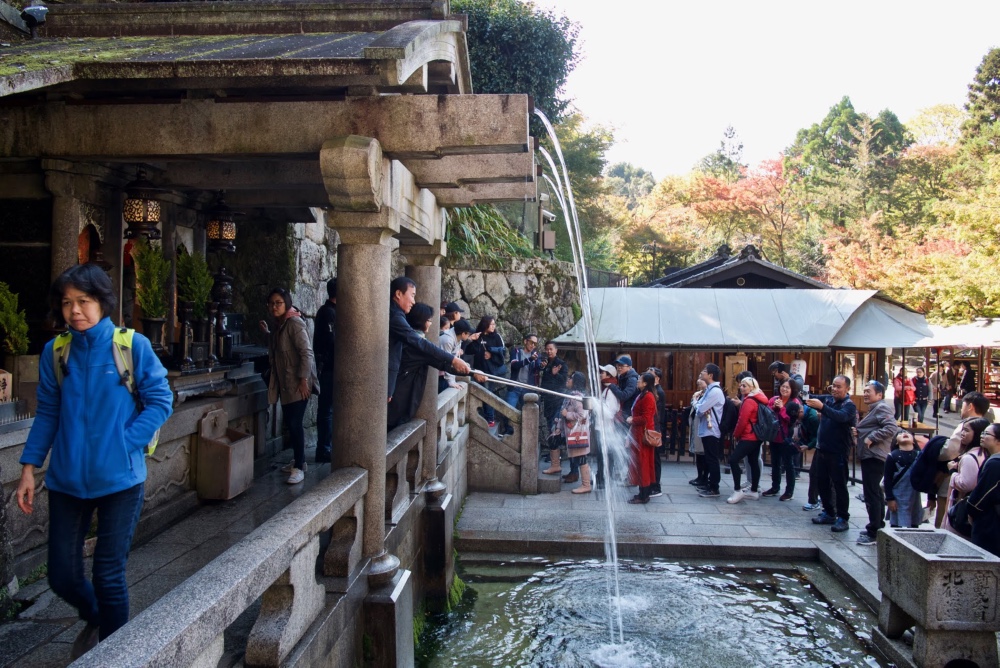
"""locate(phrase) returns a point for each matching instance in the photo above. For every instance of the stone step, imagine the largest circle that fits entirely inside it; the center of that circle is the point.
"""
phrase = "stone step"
(549, 484)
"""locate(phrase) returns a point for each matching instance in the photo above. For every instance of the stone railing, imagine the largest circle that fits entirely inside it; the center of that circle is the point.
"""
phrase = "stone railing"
(279, 562)
(503, 463)
(451, 418)
(402, 467)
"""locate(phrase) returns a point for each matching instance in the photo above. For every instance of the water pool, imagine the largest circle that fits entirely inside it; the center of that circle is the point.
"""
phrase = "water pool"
(528, 613)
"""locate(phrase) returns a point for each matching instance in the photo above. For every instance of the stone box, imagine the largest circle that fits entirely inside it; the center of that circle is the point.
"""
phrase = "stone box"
(940, 580)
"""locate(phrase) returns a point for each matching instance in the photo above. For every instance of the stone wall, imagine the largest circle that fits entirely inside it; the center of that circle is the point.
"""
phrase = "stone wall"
(527, 296)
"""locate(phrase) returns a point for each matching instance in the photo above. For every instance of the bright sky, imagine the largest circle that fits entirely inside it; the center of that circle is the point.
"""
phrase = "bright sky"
(670, 76)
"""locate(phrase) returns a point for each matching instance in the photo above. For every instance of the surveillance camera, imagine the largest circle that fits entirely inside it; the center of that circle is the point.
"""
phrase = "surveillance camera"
(543, 197)
(34, 16)
(548, 215)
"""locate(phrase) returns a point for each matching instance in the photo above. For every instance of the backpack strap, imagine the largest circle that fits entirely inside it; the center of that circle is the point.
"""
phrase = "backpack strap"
(60, 356)
(122, 339)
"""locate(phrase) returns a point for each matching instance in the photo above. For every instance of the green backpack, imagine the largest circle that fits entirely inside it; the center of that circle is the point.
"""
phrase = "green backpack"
(122, 339)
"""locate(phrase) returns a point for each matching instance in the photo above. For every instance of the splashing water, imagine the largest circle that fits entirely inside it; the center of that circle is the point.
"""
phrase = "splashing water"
(613, 451)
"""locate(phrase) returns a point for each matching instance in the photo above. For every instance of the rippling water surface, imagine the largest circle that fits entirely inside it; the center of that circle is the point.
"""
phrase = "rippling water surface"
(673, 615)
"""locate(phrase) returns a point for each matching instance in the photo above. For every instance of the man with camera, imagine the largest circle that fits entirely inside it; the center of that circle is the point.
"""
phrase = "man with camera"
(524, 368)
(838, 415)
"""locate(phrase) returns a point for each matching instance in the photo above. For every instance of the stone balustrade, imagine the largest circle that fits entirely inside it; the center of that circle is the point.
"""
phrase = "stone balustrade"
(503, 463)
(451, 417)
(402, 467)
(278, 563)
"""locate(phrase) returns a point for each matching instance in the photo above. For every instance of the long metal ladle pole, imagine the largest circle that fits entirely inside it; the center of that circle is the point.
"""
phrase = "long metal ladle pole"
(588, 402)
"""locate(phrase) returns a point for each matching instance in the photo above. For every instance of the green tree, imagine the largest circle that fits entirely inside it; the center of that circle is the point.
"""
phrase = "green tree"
(630, 182)
(726, 163)
(940, 125)
(984, 95)
(515, 47)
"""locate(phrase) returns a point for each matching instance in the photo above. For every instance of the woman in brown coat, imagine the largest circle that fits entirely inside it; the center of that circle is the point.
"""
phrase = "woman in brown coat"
(293, 373)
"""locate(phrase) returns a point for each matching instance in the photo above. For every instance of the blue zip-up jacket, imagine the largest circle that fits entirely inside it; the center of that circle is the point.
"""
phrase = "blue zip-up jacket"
(91, 424)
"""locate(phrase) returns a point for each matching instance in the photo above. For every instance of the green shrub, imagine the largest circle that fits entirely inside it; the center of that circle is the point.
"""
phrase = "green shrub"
(194, 281)
(13, 323)
(151, 273)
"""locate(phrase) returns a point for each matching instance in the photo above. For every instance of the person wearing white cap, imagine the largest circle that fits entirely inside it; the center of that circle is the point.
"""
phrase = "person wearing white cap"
(604, 421)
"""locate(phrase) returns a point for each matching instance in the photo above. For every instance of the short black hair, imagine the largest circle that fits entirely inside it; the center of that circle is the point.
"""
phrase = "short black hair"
(462, 326)
(443, 322)
(656, 372)
(978, 401)
(847, 379)
(400, 284)
(714, 371)
(87, 278)
(419, 316)
(777, 366)
(793, 409)
(746, 373)
(554, 344)
(286, 296)
(528, 336)
(331, 288)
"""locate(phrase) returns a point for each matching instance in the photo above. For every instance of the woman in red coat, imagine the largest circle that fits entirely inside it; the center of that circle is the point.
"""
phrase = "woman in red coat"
(745, 441)
(643, 469)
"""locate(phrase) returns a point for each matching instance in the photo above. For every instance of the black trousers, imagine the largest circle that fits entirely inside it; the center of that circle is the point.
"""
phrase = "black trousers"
(713, 457)
(783, 455)
(831, 478)
(750, 450)
(872, 472)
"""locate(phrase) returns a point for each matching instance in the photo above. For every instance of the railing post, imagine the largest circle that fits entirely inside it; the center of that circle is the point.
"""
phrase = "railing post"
(529, 444)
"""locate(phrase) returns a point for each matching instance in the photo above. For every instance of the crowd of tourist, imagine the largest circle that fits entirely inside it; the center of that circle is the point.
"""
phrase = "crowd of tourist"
(960, 484)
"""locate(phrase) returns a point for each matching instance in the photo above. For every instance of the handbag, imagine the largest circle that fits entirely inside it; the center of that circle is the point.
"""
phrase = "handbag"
(577, 437)
(652, 438)
(958, 517)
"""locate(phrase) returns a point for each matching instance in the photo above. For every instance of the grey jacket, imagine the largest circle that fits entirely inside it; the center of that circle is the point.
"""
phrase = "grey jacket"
(879, 424)
(291, 359)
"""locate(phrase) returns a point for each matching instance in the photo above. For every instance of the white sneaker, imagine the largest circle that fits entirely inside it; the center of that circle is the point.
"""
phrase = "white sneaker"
(745, 486)
(736, 497)
(290, 466)
(751, 495)
(295, 476)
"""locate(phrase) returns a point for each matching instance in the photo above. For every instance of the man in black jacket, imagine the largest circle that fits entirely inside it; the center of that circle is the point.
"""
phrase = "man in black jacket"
(324, 340)
(552, 377)
(838, 415)
(403, 295)
(628, 385)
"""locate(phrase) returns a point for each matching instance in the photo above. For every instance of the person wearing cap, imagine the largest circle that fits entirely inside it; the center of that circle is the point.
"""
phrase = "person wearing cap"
(628, 385)
(450, 341)
(874, 438)
(453, 312)
(604, 422)
(780, 373)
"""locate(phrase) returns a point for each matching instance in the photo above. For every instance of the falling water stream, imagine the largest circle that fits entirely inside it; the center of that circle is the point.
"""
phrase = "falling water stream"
(613, 446)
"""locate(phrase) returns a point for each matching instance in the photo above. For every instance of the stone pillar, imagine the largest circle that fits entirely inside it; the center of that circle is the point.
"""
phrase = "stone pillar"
(65, 220)
(352, 174)
(425, 270)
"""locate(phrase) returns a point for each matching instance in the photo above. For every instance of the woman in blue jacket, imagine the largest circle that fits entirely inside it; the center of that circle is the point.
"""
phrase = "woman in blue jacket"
(95, 433)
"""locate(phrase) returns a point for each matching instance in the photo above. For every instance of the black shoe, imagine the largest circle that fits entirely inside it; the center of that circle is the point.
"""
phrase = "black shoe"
(638, 500)
(771, 492)
(85, 641)
(323, 459)
(698, 482)
(823, 518)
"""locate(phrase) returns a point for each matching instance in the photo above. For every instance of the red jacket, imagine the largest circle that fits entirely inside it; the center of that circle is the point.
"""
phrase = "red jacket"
(643, 415)
(748, 417)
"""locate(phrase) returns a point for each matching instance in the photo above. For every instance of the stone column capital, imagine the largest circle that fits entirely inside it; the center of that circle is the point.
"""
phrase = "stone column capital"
(425, 255)
(377, 228)
(352, 169)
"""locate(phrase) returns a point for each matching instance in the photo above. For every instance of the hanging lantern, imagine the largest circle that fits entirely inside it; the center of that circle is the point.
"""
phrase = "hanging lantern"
(141, 210)
(221, 227)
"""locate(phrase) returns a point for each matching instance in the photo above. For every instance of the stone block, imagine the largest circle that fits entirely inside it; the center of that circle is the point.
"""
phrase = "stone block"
(439, 560)
(497, 287)
(947, 587)
(316, 232)
(472, 284)
(388, 613)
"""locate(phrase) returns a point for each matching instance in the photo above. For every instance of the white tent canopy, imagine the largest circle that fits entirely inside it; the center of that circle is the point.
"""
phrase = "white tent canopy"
(983, 333)
(757, 319)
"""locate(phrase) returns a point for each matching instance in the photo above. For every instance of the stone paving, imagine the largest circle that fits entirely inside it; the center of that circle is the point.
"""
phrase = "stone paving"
(44, 633)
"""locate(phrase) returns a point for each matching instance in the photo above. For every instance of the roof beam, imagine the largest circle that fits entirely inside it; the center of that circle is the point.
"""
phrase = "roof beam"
(407, 127)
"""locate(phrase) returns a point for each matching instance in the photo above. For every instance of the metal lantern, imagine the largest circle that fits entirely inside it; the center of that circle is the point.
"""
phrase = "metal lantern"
(141, 210)
(221, 227)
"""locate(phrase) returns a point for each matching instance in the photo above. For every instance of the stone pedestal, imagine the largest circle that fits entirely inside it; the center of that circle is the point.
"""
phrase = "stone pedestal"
(389, 622)
(945, 586)
(439, 557)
